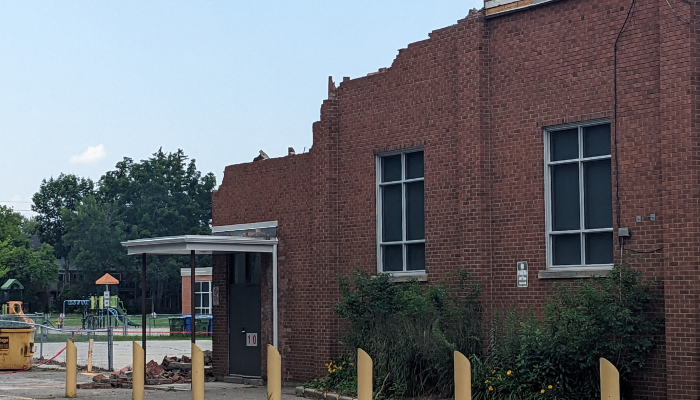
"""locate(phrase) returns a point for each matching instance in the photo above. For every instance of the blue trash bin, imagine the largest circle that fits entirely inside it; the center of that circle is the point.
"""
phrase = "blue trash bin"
(211, 324)
(188, 323)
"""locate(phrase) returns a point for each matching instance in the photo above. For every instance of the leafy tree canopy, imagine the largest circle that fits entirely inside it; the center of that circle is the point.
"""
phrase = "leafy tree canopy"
(35, 268)
(163, 195)
(54, 195)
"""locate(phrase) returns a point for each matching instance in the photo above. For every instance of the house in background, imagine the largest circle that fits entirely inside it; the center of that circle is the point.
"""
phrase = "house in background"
(203, 292)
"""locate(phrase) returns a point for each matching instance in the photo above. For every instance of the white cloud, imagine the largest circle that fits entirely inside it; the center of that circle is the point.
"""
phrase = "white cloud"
(93, 154)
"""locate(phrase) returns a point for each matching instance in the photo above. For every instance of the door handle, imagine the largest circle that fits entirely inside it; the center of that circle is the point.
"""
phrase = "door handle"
(243, 330)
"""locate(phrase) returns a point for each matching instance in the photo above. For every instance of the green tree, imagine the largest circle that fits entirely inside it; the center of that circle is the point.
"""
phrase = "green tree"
(94, 236)
(54, 195)
(34, 268)
(164, 195)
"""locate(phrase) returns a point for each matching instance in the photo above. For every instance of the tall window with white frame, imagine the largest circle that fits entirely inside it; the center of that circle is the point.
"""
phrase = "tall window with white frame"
(579, 200)
(202, 297)
(400, 212)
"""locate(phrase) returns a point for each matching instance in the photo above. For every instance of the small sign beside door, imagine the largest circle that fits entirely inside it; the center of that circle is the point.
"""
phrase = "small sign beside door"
(522, 274)
(215, 295)
(251, 339)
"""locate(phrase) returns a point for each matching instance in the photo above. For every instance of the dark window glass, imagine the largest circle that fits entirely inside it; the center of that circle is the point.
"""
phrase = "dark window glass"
(599, 248)
(567, 249)
(565, 197)
(205, 300)
(197, 300)
(597, 194)
(205, 287)
(596, 140)
(414, 165)
(564, 144)
(415, 254)
(393, 258)
(391, 168)
(392, 225)
(415, 219)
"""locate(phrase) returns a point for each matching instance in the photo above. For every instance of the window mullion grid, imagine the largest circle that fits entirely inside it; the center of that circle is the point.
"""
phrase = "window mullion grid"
(582, 203)
(403, 212)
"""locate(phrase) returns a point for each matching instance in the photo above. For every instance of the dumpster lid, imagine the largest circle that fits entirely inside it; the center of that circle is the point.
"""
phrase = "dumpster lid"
(12, 284)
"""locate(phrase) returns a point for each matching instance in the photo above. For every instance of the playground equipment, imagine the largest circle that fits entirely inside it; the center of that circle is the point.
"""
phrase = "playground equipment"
(16, 338)
(101, 311)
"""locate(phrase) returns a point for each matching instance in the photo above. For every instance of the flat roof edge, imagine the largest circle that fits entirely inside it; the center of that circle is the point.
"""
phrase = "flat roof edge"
(241, 227)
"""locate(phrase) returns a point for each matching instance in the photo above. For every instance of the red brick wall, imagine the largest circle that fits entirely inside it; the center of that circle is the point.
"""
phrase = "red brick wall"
(476, 96)
(187, 291)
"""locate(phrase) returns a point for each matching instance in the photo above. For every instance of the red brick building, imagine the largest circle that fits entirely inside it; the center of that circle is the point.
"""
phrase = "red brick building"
(528, 131)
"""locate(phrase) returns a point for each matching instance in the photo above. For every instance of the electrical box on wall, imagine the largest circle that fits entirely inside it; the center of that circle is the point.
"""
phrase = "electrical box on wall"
(623, 232)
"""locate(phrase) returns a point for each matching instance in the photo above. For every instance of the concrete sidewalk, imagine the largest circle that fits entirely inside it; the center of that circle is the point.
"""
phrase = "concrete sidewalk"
(49, 383)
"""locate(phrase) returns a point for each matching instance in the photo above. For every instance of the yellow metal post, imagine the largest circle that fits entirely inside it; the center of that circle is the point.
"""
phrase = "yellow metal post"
(71, 369)
(274, 373)
(609, 381)
(463, 377)
(364, 375)
(197, 371)
(137, 375)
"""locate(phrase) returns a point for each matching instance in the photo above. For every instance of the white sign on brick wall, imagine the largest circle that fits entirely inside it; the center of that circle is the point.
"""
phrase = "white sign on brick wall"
(522, 274)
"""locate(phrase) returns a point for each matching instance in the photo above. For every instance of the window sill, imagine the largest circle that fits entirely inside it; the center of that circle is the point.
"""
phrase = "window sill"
(405, 277)
(573, 274)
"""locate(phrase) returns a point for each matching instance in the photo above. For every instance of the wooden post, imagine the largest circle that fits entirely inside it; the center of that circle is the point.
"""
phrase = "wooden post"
(274, 373)
(609, 381)
(138, 375)
(89, 360)
(197, 373)
(364, 375)
(463, 377)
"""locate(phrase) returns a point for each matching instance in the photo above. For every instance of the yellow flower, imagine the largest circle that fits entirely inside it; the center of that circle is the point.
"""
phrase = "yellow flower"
(486, 381)
(542, 391)
(490, 387)
(549, 387)
(339, 368)
(499, 378)
(509, 372)
(493, 371)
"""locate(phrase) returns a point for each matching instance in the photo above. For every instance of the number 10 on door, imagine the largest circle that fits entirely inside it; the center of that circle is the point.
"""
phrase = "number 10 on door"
(251, 339)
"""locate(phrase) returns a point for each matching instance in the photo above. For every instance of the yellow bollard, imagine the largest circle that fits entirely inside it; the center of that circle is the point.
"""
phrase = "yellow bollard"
(71, 369)
(463, 377)
(137, 374)
(609, 381)
(274, 373)
(197, 372)
(364, 375)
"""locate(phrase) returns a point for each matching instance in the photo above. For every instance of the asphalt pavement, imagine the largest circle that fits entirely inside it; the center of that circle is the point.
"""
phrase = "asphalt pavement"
(49, 383)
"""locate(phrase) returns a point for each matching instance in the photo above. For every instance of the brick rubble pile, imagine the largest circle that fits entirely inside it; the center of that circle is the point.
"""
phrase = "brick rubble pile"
(170, 371)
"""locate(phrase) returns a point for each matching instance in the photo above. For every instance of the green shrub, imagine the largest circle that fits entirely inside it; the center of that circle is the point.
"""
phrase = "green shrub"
(608, 317)
(410, 330)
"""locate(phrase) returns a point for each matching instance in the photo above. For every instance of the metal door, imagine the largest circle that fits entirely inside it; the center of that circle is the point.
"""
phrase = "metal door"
(244, 314)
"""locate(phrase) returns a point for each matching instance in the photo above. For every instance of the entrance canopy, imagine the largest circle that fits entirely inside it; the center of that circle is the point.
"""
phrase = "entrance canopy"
(201, 244)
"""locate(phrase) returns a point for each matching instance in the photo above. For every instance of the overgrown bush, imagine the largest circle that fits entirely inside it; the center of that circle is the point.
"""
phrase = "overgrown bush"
(608, 317)
(410, 330)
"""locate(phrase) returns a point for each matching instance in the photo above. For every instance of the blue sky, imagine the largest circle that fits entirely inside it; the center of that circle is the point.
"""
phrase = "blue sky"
(84, 84)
